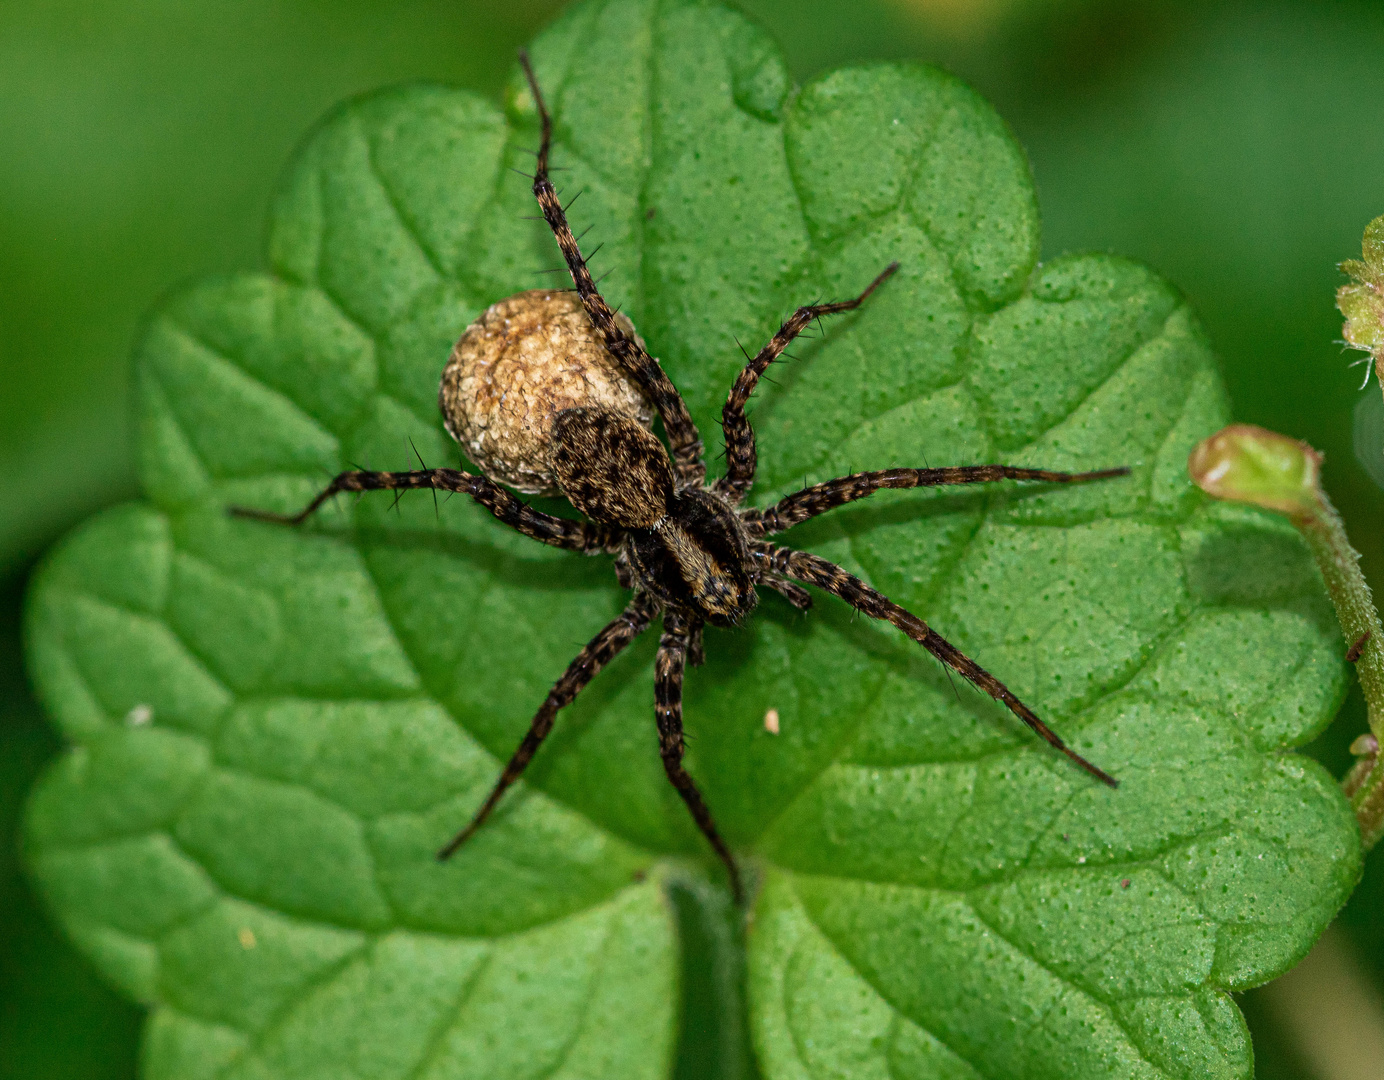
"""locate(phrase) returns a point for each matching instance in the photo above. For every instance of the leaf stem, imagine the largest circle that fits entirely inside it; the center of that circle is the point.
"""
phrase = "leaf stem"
(1339, 563)
(1248, 464)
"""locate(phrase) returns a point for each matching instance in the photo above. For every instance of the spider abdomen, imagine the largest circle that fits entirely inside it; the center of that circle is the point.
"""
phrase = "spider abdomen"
(611, 468)
(524, 361)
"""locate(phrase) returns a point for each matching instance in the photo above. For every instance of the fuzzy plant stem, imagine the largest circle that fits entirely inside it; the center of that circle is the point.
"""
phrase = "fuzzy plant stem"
(1340, 566)
(1247, 464)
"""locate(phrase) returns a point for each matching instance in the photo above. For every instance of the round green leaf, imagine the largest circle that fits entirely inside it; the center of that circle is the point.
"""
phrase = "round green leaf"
(274, 730)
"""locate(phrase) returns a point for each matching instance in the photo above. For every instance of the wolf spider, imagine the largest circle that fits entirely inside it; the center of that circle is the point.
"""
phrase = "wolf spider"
(685, 548)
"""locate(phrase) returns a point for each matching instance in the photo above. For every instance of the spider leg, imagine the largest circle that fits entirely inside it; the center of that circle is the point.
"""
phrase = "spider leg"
(559, 532)
(741, 457)
(683, 437)
(668, 669)
(819, 498)
(791, 591)
(696, 649)
(603, 648)
(814, 570)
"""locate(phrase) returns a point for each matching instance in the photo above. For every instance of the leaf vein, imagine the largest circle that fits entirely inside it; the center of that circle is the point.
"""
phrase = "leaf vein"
(437, 1040)
(1103, 1006)
(406, 224)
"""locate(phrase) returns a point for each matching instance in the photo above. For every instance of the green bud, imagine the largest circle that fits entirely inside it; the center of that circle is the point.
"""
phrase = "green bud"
(1373, 247)
(1248, 464)
(1362, 301)
(1363, 307)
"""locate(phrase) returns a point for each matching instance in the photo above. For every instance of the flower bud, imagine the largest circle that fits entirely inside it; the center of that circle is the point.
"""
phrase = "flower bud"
(1362, 301)
(1249, 464)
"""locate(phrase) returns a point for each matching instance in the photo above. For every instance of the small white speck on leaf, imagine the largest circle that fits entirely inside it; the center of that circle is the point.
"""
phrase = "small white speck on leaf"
(771, 722)
(139, 715)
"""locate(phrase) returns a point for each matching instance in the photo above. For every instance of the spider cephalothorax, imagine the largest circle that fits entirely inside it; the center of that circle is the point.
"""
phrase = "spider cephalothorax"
(688, 551)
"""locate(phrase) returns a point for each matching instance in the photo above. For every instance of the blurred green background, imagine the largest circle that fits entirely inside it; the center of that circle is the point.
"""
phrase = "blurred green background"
(1237, 147)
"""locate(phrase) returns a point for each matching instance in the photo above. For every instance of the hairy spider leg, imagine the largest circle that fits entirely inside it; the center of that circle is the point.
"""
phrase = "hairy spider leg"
(819, 498)
(814, 570)
(668, 669)
(582, 536)
(791, 591)
(600, 651)
(696, 647)
(683, 437)
(741, 456)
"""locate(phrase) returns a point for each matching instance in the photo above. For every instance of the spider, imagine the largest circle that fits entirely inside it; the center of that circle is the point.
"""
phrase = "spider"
(687, 550)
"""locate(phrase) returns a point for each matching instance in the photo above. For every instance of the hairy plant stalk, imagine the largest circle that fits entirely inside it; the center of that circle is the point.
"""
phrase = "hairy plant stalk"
(1340, 566)
(1249, 464)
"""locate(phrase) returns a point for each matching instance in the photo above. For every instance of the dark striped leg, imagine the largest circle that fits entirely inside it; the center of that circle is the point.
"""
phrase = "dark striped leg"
(741, 457)
(603, 648)
(559, 532)
(696, 648)
(819, 498)
(668, 668)
(683, 436)
(791, 591)
(814, 570)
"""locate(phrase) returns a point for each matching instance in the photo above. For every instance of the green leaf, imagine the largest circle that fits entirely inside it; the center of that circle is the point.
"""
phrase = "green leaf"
(942, 896)
(56, 1017)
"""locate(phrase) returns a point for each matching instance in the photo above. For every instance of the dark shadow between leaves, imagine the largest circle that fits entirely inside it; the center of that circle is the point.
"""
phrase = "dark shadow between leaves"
(713, 1033)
